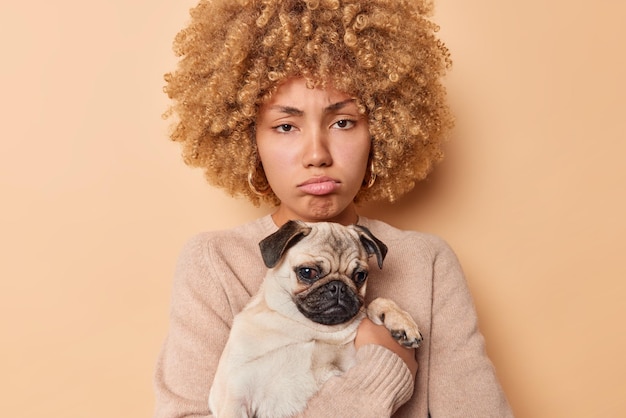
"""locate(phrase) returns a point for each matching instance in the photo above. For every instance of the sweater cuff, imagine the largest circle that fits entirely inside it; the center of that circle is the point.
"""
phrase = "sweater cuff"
(382, 375)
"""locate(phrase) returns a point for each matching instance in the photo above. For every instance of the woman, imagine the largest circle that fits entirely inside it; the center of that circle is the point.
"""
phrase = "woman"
(313, 106)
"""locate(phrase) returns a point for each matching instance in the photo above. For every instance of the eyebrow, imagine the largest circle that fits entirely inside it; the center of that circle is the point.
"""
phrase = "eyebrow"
(288, 110)
(338, 105)
(293, 111)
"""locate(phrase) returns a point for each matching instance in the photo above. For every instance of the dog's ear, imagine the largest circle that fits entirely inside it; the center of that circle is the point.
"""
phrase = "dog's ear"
(274, 246)
(372, 244)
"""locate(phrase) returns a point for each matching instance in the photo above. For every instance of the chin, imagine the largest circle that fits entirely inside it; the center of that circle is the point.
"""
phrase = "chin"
(326, 208)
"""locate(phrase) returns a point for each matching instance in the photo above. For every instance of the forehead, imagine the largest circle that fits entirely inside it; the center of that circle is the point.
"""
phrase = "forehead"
(325, 244)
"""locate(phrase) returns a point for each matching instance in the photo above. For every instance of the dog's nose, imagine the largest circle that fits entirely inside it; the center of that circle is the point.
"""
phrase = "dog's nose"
(337, 288)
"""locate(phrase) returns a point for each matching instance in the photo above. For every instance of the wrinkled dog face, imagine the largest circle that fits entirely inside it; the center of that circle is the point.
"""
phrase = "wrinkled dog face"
(330, 278)
(327, 265)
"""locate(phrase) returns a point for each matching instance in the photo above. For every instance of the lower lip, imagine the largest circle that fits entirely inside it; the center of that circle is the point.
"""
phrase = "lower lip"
(319, 189)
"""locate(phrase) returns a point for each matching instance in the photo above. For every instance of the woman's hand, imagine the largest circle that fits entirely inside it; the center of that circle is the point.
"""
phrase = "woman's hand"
(370, 333)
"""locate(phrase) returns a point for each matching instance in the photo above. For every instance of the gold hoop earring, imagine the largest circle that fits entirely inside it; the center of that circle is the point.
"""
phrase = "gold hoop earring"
(372, 178)
(253, 187)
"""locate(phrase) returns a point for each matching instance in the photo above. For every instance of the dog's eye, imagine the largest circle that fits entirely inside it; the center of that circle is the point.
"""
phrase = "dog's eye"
(359, 277)
(307, 274)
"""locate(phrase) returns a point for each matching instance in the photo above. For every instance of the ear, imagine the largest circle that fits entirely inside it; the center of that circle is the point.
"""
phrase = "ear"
(274, 246)
(372, 244)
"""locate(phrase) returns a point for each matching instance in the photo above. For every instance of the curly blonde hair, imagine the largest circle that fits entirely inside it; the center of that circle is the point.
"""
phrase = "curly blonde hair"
(235, 54)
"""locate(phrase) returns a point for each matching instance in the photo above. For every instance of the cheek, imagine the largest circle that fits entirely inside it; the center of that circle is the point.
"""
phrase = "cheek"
(355, 158)
(276, 164)
(274, 158)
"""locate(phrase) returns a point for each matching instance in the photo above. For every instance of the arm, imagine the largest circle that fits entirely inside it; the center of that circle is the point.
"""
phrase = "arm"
(375, 387)
(370, 333)
(462, 380)
(381, 381)
(200, 321)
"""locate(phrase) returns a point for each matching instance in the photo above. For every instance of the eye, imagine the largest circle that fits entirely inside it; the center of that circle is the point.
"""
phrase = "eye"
(284, 128)
(359, 277)
(307, 274)
(344, 124)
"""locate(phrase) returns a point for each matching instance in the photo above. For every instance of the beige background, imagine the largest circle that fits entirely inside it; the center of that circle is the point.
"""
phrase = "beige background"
(96, 202)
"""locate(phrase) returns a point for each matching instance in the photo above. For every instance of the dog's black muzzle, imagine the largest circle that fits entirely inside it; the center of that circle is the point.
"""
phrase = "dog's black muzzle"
(331, 304)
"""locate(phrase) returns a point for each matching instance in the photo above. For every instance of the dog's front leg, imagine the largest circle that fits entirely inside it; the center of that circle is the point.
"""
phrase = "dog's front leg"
(403, 328)
(223, 404)
(228, 408)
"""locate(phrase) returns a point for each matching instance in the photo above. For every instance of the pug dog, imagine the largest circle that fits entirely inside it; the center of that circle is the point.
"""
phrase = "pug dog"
(299, 329)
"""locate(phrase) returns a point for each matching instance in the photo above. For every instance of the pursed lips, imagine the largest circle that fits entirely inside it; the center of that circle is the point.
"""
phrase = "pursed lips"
(319, 186)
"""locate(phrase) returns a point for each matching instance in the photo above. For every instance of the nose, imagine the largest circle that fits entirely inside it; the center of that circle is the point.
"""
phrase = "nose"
(337, 288)
(316, 150)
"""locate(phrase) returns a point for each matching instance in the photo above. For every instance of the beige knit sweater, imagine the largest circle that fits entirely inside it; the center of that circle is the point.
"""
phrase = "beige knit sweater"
(219, 271)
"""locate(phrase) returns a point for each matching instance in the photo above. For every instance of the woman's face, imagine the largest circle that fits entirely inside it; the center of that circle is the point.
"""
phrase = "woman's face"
(314, 146)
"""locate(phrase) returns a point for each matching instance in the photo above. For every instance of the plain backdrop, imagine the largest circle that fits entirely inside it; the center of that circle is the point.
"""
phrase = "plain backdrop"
(97, 203)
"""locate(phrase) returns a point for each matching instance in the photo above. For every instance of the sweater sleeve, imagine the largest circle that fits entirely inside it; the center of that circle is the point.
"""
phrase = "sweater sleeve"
(462, 379)
(375, 387)
(198, 329)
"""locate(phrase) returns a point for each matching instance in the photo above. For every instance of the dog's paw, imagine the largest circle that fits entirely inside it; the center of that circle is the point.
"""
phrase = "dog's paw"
(412, 339)
(399, 323)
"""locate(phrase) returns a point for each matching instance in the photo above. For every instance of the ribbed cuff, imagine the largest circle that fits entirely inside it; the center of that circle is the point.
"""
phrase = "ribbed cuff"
(383, 376)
